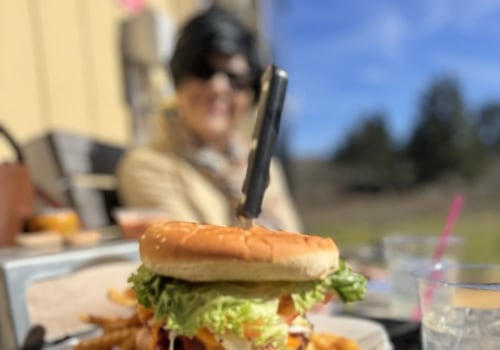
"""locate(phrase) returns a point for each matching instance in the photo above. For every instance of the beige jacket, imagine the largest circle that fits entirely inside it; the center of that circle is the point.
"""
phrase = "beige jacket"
(152, 177)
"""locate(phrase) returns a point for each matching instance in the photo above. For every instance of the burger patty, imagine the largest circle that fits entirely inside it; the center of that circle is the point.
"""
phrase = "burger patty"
(180, 342)
(300, 342)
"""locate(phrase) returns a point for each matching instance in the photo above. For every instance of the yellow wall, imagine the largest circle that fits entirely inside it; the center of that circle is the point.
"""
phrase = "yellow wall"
(60, 67)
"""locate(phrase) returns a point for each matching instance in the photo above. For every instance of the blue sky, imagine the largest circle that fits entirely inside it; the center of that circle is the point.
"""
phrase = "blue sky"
(349, 58)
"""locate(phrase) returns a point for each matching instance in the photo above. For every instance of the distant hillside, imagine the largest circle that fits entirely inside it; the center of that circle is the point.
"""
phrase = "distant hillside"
(319, 195)
(313, 181)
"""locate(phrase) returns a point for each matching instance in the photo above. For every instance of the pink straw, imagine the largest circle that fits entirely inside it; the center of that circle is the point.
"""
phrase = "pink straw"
(455, 208)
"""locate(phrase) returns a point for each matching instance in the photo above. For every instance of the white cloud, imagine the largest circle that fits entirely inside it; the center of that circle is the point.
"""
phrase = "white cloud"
(373, 75)
(384, 34)
(465, 15)
(392, 31)
(474, 12)
(437, 15)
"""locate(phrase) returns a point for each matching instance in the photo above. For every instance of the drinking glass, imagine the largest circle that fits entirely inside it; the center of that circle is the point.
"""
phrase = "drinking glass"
(459, 306)
(405, 253)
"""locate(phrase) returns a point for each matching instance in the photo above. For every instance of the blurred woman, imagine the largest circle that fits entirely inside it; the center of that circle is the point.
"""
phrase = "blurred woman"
(194, 168)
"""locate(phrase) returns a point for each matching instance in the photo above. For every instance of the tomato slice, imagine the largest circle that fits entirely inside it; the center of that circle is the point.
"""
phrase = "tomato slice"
(286, 309)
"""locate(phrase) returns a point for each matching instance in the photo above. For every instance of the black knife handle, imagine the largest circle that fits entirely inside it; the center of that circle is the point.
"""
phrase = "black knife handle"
(272, 97)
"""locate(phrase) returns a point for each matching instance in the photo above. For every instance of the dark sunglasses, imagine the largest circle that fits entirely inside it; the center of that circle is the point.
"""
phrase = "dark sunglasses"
(238, 82)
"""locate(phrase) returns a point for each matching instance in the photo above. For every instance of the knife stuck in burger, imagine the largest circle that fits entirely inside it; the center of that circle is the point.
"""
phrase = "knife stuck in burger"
(272, 97)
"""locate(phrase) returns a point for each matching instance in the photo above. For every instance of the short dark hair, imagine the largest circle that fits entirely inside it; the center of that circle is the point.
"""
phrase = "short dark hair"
(214, 31)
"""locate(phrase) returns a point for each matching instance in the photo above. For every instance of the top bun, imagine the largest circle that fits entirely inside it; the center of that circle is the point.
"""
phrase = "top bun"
(197, 252)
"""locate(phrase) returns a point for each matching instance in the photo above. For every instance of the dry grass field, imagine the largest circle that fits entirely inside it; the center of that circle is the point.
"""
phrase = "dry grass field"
(362, 219)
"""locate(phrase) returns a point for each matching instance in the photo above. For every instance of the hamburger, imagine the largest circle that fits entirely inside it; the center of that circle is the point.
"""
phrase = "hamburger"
(215, 288)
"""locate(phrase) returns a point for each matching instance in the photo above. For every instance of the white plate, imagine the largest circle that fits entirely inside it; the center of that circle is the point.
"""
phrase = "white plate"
(368, 334)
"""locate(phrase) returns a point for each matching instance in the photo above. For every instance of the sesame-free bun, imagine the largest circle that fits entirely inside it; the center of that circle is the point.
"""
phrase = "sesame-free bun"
(197, 252)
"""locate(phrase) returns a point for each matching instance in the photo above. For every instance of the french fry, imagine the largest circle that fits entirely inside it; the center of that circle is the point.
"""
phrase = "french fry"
(129, 343)
(347, 344)
(132, 321)
(117, 332)
(107, 340)
(125, 298)
(100, 321)
(328, 341)
(109, 324)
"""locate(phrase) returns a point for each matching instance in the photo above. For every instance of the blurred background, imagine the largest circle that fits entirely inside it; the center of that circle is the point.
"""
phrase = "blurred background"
(393, 108)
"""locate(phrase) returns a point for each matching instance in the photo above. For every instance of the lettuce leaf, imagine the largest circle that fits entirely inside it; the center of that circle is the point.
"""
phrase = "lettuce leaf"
(238, 308)
(348, 285)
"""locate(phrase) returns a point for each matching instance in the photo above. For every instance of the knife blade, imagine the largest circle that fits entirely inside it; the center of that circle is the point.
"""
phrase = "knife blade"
(274, 83)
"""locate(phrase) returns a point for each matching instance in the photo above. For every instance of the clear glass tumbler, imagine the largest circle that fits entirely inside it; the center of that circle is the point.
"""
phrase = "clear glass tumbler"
(459, 306)
(405, 253)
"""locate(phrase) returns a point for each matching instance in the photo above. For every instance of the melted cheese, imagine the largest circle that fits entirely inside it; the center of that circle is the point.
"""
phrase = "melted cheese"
(171, 340)
(300, 325)
(227, 342)
(235, 343)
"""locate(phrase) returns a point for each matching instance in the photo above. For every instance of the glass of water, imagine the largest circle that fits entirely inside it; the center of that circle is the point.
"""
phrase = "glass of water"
(460, 306)
(406, 252)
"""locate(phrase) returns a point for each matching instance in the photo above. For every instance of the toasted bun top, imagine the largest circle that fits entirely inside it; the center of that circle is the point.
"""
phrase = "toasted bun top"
(197, 252)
